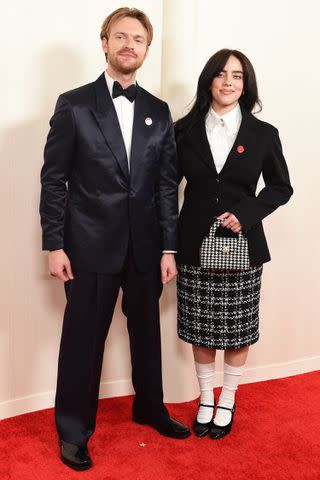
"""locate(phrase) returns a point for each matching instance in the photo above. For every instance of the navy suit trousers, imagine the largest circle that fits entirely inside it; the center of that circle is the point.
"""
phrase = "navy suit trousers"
(91, 298)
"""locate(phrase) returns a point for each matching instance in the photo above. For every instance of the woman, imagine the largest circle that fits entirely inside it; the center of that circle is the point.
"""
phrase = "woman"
(223, 149)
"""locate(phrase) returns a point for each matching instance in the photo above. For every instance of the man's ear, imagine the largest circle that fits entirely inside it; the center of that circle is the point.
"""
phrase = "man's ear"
(104, 44)
(146, 54)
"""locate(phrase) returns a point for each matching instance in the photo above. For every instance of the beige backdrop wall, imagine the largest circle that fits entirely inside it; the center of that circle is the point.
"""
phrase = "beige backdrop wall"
(44, 53)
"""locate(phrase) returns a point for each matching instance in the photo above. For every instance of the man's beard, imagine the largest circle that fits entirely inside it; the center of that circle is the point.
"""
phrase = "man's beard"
(118, 66)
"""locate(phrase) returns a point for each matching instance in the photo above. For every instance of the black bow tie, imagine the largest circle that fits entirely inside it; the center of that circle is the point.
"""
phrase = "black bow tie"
(130, 93)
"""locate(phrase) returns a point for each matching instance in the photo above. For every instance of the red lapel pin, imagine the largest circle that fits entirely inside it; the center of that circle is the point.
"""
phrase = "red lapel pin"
(240, 148)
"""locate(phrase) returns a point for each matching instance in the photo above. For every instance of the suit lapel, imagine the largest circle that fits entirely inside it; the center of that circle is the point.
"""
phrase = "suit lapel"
(107, 120)
(140, 131)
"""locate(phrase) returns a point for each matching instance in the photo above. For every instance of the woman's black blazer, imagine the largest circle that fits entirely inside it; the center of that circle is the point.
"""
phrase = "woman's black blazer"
(209, 194)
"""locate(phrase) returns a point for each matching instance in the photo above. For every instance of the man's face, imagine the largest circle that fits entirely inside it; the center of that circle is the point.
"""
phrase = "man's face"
(127, 45)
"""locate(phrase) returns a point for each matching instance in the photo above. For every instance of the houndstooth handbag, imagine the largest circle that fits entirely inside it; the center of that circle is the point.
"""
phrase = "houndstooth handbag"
(224, 252)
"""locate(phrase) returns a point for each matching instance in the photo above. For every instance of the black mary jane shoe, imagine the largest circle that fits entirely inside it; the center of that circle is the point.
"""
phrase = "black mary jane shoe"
(202, 429)
(74, 456)
(220, 432)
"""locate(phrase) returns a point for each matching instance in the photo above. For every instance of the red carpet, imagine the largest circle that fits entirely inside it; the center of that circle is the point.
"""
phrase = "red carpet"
(276, 436)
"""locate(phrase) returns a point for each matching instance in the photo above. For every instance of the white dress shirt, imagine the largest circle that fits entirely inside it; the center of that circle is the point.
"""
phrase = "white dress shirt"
(125, 113)
(221, 133)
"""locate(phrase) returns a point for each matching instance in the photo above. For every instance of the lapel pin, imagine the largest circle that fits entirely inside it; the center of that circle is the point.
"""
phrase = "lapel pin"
(148, 121)
(240, 148)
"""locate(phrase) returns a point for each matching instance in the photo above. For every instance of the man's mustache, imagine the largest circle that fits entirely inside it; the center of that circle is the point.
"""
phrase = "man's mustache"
(127, 50)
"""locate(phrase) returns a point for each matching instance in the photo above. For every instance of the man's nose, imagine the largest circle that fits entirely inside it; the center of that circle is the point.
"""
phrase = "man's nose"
(130, 43)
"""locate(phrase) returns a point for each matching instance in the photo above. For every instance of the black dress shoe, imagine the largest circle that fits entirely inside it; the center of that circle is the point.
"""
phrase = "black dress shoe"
(172, 428)
(219, 432)
(74, 456)
(202, 429)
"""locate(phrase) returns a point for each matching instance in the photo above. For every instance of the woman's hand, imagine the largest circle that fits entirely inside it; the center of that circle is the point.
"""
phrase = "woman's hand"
(231, 222)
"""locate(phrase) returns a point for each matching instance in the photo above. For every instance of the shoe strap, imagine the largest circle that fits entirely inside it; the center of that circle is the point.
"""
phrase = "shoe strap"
(226, 408)
(204, 405)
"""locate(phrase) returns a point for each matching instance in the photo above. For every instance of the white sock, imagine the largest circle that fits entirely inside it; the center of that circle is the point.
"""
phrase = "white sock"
(205, 374)
(231, 378)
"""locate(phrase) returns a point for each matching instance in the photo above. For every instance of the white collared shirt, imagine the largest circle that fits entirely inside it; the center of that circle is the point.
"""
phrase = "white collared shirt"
(221, 133)
(125, 113)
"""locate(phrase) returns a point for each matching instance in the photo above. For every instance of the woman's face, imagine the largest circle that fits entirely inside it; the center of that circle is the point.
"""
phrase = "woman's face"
(227, 86)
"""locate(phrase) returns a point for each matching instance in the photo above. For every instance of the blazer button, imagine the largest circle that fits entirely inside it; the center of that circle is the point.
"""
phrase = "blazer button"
(217, 200)
(217, 180)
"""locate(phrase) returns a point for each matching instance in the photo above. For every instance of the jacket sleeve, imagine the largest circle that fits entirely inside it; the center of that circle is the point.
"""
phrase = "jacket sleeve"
(277, 190)
(167, 189)
(58, 155)
(178, 140)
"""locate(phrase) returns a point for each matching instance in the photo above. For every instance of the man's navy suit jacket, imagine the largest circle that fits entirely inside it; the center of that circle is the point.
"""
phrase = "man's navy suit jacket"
(90, 204)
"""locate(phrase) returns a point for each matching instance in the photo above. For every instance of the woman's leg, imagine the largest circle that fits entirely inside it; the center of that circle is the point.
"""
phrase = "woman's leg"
(234, 361)
(236, 357)
(204, 364)
(203, 355)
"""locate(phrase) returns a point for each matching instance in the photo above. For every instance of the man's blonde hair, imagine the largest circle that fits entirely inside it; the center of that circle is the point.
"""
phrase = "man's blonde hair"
(122, 13)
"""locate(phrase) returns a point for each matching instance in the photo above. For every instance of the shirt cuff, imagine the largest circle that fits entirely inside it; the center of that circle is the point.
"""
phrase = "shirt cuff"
(169, 251)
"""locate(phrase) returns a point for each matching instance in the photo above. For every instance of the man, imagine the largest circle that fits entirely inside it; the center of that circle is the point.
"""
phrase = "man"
(109, 217)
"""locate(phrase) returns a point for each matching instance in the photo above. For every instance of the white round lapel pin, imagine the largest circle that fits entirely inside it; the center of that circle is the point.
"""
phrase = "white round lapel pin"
(148, 121)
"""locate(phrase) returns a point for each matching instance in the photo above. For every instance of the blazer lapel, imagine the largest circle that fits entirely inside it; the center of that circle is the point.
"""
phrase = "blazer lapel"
(244, 140)
(199, 140)
(107, 120)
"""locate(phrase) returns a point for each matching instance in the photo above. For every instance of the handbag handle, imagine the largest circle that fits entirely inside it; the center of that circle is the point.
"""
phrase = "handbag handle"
(218, 223)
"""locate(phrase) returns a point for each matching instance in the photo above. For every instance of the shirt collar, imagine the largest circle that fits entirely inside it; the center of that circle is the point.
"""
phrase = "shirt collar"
(231, 119)
(109, 81)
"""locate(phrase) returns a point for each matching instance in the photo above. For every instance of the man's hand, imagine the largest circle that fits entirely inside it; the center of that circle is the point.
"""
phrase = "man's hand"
(168, 267)
(230, 222)
(59, 265)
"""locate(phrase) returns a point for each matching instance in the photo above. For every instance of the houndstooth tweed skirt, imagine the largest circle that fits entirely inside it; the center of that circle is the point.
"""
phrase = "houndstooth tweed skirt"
(218, 309)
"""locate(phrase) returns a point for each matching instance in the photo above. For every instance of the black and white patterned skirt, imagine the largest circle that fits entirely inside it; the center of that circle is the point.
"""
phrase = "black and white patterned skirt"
(218, 309)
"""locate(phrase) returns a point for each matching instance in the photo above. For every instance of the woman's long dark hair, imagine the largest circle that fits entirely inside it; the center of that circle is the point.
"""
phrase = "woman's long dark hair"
(213, 67)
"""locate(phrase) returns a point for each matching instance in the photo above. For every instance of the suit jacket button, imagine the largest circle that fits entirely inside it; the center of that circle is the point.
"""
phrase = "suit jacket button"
(217, 180)
(217, 200)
